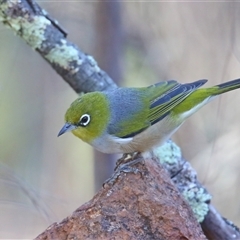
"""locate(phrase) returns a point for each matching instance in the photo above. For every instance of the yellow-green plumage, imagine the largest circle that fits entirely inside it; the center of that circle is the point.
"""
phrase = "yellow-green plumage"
(83, 106)
(125, 120)
(198, 96)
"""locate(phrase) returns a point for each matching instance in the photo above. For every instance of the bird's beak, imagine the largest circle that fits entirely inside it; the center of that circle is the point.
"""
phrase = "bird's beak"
(66, 128)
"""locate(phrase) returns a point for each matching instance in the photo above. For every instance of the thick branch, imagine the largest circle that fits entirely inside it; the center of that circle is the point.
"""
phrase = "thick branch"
(185, 178)
(145, 205)
(217, 227)
(43, 34)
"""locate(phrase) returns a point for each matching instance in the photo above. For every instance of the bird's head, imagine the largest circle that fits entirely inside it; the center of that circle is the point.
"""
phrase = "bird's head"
(87, 117)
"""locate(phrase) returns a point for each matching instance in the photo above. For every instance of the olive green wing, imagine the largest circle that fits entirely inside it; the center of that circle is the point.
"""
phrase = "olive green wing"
(160, 107)
(162, 98)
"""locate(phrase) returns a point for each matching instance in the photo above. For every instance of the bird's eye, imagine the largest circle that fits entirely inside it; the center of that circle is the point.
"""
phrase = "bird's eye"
(84, 120)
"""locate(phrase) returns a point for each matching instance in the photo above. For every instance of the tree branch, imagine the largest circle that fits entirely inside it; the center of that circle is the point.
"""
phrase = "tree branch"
(145, 205)
(32, 23)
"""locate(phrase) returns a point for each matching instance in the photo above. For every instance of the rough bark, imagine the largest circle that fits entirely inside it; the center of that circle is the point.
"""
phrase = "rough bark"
(44, 35)
(143, 205)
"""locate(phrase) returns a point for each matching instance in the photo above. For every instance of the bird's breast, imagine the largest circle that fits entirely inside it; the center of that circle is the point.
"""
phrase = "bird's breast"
(154, 135)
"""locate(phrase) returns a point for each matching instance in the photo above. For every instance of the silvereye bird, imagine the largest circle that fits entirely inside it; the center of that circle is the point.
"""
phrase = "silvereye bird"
(126, 120)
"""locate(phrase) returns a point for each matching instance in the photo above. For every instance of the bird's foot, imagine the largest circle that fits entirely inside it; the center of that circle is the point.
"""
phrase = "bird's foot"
(127, 157)
(126, 168)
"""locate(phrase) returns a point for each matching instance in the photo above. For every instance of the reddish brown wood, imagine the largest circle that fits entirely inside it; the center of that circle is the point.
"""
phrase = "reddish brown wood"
(217, 227)
(142, 205)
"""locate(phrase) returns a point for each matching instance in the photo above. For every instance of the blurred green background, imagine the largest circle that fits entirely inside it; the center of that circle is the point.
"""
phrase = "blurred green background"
(44, 178)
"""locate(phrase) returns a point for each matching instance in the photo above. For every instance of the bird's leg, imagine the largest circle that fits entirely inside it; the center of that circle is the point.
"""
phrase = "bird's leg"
(125, 167)
(127, 157)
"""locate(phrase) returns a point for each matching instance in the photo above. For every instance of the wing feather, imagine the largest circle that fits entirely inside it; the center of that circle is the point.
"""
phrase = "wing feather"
(160, 109)
(163, 97)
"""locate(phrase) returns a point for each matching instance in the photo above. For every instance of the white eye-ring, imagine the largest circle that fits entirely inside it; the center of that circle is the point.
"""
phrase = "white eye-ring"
(84, 120)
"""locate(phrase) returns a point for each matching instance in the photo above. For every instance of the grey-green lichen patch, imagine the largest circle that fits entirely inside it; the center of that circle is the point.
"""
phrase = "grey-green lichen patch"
(63, 55)
(197, 199)
(31, 29)
(34, 32)
(93, 63)
(44, 12)
(168, 153)
(4, 6)
(170, 156)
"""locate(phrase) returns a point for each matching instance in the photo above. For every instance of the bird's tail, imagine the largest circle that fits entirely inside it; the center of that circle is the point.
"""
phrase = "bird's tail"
(227, 86)
(202, 96)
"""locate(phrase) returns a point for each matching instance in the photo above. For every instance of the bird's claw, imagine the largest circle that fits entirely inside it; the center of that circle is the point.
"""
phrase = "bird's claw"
(127, 157)
(126, 168)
